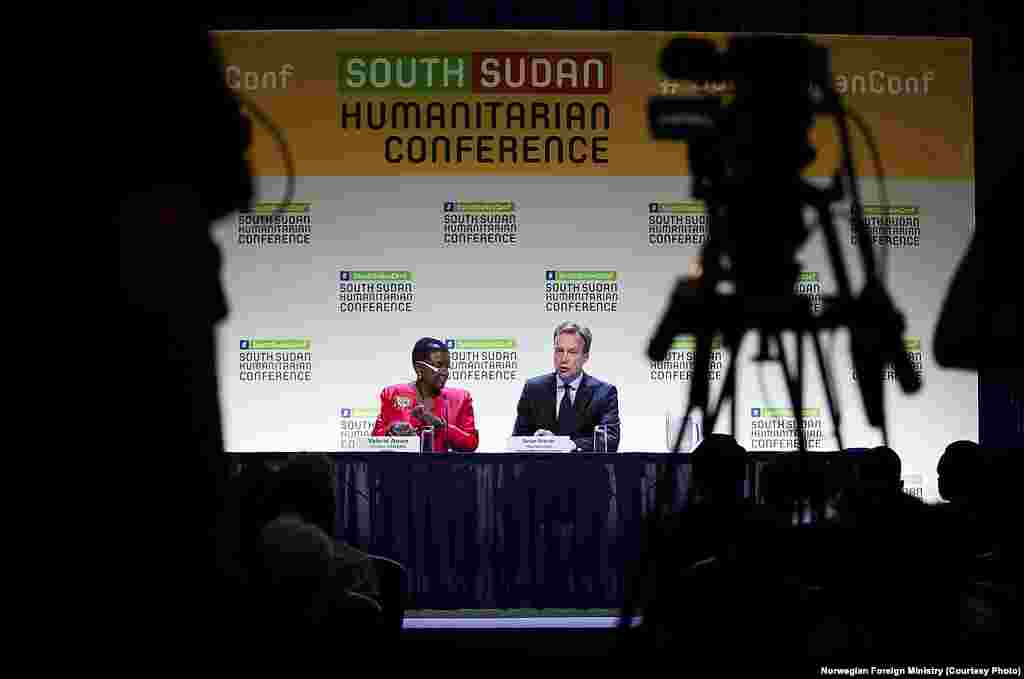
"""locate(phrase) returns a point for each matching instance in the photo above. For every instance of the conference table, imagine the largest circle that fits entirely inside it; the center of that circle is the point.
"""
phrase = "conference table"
(507, 530)
(511, 530)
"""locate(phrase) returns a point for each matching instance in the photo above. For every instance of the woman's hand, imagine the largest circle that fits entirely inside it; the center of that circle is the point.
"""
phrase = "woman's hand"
(401, 429)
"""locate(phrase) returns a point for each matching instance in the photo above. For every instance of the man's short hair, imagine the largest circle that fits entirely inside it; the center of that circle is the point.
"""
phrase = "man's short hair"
(424, 347)
(576, 329)
(881, 464)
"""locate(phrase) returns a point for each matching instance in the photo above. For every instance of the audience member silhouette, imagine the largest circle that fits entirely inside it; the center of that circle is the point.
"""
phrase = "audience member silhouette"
(959, 472)
(719, 466)
(178, 141)
(176, 144)
(714, 571)
(294, 572)
(706, 529)
(294, 591)
(877, 488)
(872, 584)
(306, 485)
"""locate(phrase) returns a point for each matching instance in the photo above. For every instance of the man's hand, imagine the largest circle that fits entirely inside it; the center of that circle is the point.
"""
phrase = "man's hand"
(401, 429)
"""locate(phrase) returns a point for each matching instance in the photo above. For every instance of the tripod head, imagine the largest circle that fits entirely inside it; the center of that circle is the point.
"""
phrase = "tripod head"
(748, 150)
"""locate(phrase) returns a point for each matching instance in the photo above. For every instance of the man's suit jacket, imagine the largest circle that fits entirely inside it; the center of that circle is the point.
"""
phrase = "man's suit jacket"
(596, 403)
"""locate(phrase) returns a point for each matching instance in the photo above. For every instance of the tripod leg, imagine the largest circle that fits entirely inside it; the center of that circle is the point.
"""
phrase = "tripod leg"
(682, 429)
(700, 388)
(795, 387)
(732, 399)
(728, 388)
(665, 489)
(700, 395)
(796, 397)
(826, 378)
(798, 402)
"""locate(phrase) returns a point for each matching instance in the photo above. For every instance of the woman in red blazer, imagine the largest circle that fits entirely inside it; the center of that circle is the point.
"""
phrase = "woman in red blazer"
(406, 408)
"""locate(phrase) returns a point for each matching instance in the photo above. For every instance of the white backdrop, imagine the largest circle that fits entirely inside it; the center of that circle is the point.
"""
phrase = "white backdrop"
(565, 221)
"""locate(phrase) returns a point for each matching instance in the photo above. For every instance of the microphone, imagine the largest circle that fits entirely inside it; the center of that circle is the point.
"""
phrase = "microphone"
(444, 400)
(424, 363)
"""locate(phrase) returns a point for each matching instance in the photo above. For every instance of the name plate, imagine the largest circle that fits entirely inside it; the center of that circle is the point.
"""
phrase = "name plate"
(540, 444)
(396, 444)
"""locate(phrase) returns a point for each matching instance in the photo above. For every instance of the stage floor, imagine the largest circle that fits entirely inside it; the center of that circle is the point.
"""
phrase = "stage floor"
(514, 618)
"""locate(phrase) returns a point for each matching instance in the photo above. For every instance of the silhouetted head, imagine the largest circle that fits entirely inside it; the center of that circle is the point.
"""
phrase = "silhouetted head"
(307, 486)
(719, 469)
(297, 561)
(880, 469)
(959, 470)
(876, 482)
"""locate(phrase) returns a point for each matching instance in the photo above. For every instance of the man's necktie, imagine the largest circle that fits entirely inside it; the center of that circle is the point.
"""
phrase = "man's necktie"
(566, 414)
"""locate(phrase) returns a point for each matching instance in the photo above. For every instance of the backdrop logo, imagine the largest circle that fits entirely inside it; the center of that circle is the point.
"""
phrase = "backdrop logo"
(475, 72)
(260, 226)
(420, 73)
(271, 344)
(714, 88)
(358, 413)
(675, 224)
(776, 429)
(873, 82)
(482, 222)
(879, 82)
(678, 365)
(240, 79)
(275, 360)
(913, 348)
(487, 359)
(375, 292)
(809, 285)
(542, 72)
(913, 484)
(549, 113)
(899, 226)
(355, 426)
(581, 291)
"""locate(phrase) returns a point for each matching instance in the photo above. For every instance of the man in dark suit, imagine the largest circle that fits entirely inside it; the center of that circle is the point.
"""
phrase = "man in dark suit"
(591, 402)
(567, 509)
